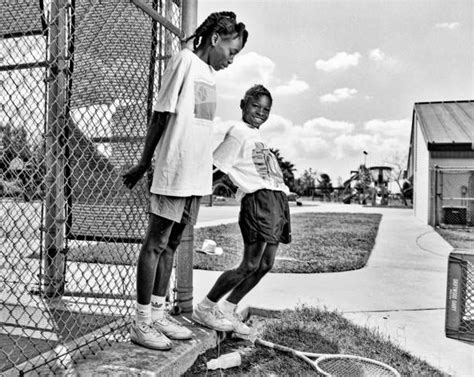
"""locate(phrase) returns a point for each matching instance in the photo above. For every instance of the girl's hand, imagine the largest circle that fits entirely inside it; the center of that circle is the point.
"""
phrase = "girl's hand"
(131, 177)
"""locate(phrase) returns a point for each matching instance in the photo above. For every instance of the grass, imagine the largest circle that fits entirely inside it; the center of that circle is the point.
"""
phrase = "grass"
(312, 330)
(322, 242)
(458, 238)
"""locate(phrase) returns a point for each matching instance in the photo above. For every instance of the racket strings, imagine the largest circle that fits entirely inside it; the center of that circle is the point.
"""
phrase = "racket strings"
(352, 367)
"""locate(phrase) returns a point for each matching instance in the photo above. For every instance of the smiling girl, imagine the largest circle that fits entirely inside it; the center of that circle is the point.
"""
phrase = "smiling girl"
(264, 217)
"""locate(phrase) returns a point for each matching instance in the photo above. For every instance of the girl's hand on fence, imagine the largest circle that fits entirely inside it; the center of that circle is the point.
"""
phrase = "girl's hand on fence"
(131, 177)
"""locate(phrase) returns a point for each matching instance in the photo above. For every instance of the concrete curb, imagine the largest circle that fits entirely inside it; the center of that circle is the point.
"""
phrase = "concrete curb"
(248, 311)
(125, 358)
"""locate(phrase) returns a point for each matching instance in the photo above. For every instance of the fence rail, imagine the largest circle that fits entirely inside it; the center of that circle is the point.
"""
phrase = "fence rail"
(78, 82)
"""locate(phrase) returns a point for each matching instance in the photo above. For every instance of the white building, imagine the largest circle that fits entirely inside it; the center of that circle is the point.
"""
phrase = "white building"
(441, 161)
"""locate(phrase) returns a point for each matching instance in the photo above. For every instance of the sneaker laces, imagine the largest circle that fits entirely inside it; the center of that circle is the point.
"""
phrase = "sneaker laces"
(167, 319)
(237, 316)
(216, 311)
(237, 319)
(147, 328)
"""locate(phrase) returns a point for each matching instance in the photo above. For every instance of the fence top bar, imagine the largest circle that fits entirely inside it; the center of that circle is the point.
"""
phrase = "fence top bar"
(454, 167)
(13, 67)
(157, 17)
(19, 34)
(462, 198)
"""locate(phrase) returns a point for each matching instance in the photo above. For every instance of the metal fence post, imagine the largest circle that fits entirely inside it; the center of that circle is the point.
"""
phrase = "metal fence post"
(184, 268)
(438, 211)
(189, 20)
(54, 262)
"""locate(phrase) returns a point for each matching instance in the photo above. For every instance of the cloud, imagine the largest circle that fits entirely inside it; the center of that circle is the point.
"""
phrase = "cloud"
(295, 141)
(389, 128)
(382, 60)
(347, 146)
(338, 95)
(294, 86)
(340, 61)
(380, 149)
(332, 146)
(381, 138)
(327, 127)
(247, 70)
(447, 25)
(376, 55)
(250, 69)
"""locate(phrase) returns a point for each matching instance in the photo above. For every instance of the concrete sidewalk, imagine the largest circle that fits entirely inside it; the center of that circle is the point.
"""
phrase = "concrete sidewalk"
(401, 293)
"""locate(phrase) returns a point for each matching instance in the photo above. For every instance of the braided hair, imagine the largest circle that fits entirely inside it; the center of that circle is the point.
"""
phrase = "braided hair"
(222, 23)
(256, 92)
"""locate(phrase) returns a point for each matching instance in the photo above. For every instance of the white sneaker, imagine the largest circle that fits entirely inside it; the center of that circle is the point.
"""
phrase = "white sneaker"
(146, 335)
(172, 328)
(237, 322)
(212, 318)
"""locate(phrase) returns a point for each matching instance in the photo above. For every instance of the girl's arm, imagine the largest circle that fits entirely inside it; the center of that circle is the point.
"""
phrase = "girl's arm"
(154, 133)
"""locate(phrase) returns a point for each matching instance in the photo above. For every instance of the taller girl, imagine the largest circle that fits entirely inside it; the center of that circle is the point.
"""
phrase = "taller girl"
(180, 131)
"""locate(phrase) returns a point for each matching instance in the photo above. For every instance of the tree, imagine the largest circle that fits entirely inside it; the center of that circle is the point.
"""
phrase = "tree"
(398, 162)
(306, 183)
(287, 168)
(324, 185)
(15, 145)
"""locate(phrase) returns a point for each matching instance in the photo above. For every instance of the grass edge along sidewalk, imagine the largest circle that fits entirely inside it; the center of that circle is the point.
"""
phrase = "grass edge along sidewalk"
(322, 242)
(308, 329)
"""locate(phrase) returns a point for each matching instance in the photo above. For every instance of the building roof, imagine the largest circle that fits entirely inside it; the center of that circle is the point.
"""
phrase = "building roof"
(447, 125)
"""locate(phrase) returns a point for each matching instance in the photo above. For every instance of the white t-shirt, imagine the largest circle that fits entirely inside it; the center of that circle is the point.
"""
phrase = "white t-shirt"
(248, 161)
(183, 156)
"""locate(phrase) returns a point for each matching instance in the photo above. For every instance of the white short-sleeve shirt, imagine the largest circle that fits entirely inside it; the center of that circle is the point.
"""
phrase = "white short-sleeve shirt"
(248, 161)
(183, 156)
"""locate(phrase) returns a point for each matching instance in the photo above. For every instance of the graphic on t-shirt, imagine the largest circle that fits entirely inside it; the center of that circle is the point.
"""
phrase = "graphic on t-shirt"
(266, 163)
(204, 100)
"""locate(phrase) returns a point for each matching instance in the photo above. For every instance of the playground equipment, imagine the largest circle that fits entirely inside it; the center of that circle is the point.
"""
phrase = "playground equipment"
(367, 183)
(357, 187)
(380, 177)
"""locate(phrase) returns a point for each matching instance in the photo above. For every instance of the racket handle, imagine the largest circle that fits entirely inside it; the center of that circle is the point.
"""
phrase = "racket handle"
(279, 347)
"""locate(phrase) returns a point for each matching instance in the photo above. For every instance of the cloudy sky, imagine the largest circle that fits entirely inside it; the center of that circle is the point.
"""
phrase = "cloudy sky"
(345, 74)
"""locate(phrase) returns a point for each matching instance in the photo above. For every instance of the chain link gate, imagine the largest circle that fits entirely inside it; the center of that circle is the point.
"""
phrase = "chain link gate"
(454, 196)
(78, 79)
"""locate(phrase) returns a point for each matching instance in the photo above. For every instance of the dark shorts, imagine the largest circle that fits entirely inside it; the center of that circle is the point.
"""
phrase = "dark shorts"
(265, 216)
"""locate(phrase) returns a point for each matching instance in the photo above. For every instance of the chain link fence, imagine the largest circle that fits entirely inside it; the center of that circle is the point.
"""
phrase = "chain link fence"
(78, 81)
(454, 196)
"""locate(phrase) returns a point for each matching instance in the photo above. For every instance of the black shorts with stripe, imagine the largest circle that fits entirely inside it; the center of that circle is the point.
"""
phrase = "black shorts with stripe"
(265, 216)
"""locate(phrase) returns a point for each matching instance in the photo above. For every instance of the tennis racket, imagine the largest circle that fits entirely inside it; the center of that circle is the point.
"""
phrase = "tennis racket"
(335, 364)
